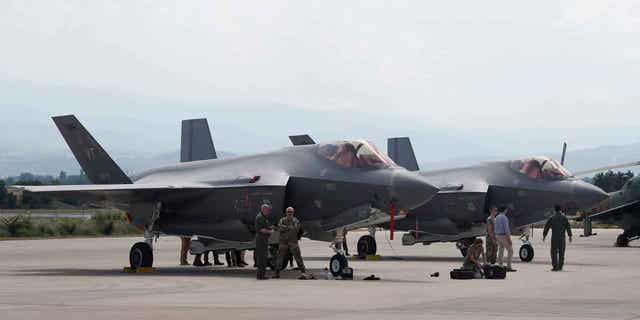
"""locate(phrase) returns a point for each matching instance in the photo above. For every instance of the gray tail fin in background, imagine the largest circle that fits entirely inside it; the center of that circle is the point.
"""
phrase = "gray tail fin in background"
(301, 140)
(196, 143)
(96, 163)
(401, 151)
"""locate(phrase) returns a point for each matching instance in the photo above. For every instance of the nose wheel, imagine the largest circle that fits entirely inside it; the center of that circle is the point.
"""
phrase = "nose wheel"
(367, 246)
(338, 263)
(526, 252)
(141, 256)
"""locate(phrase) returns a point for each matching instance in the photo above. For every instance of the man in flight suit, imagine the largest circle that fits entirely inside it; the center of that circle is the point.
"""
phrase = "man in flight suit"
(289, 228)
(492, 241)
(263, 230)
(559, 224)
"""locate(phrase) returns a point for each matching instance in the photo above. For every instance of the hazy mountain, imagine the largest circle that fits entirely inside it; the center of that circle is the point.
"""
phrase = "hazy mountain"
(142, 131)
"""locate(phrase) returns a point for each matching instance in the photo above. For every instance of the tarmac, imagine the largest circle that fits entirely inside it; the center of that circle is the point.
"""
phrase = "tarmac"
(83, 279)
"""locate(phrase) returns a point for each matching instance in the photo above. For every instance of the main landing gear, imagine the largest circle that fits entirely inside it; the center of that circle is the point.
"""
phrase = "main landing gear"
(367, 244)
(623, 239)
(463, 245)
(141, 253)
(141, 256)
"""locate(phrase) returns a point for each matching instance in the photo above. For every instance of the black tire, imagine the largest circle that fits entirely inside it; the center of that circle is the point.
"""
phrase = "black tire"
(141, 256)
(367, 246)
(526, 253)
(337, 263)
(622, 241)
(464, 251)
(464, 244)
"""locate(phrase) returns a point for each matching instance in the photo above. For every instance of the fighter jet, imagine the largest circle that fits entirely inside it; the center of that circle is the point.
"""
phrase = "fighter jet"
(529, 188)
(622, 208)
(331, 185)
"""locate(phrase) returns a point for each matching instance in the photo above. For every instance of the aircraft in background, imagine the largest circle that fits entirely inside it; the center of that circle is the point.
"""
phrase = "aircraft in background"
(622, 208)
(528, 187)
(340, 184)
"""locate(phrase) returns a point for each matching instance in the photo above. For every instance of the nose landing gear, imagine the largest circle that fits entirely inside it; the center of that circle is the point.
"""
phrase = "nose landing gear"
(526, 251)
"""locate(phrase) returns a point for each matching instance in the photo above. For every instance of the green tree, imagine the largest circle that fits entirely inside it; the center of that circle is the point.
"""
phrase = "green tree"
(612, 181)
(3, 194)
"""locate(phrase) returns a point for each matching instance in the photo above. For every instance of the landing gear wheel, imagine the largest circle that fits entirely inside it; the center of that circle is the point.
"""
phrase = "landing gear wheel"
(367, 246)
(337, 263)
(141, 256)
(526, 252)
(464, 244)
(622, 241)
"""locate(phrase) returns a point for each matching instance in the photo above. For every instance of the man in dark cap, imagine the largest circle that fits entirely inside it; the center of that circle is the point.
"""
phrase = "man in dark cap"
(559, 225)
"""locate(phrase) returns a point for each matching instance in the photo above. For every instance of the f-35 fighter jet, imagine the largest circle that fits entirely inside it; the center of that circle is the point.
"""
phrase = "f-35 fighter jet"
(528, 187)
(331, 185)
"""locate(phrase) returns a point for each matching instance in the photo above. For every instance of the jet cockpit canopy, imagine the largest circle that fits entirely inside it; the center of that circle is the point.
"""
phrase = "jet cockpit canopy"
(355, 154)
(541, 168)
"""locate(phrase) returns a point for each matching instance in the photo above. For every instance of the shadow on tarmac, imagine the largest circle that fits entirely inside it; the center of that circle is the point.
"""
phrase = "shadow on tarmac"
(161, 271)
(455, 260)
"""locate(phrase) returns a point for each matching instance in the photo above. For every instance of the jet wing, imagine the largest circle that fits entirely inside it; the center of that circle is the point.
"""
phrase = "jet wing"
(141, 191)
(617, 211)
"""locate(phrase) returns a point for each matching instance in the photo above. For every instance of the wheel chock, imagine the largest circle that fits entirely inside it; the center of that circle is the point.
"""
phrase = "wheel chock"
(138, 270)
(371, 257)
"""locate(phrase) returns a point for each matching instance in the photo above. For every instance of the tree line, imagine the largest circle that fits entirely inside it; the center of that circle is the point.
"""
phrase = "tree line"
(32, 201)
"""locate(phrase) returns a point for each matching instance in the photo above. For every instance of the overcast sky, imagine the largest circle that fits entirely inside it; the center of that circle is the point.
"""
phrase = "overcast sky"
(459, 64)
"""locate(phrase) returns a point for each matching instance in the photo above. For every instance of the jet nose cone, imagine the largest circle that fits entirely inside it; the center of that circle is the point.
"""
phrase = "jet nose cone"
(588, 195)
(411, 190)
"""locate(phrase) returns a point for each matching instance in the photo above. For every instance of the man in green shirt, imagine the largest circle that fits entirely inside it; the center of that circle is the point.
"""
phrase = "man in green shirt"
(559, 224)
(263, 230)
(289, 228)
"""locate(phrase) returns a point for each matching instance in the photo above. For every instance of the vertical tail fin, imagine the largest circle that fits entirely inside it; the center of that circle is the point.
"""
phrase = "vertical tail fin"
(95, 162)
(301, 140)
(196, 143)
(401, 151)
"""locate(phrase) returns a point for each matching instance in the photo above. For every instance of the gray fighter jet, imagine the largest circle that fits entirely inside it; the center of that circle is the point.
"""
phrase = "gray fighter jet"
(332, 185)
(528, 187)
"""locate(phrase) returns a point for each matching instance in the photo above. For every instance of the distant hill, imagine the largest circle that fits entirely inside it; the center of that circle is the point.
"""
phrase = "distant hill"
(53, 163)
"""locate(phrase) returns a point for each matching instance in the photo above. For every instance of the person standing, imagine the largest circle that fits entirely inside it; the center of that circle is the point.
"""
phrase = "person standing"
(503, 237)
(184, 250)
(492, 242)
(289, 228)
(264, 229)
(559, 225)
